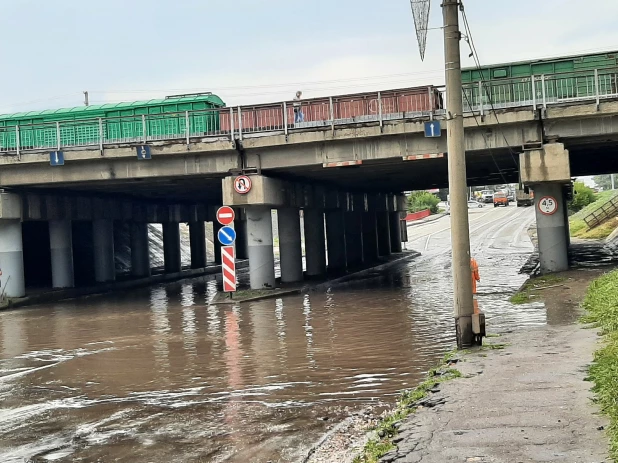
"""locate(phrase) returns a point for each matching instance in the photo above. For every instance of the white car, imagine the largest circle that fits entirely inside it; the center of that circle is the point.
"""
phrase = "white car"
(474, 204)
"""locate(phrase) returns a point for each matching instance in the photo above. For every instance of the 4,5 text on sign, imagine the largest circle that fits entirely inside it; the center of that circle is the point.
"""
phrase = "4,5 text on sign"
(548, 205)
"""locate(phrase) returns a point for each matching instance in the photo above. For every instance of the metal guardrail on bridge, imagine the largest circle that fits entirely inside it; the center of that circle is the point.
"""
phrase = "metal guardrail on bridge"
(418, 103)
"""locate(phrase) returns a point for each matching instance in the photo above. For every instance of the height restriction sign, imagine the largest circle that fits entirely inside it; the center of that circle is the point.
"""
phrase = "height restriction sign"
(548, 205)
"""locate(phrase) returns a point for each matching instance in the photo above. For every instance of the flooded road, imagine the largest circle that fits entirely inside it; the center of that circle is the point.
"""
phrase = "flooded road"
(159, 375)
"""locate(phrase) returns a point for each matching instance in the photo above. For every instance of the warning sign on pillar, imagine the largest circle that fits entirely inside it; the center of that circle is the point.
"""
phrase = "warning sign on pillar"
(548, 205)
(228, 264)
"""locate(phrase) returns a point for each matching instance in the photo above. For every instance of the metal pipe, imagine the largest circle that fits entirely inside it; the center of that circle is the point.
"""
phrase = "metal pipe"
(187, 127)
(239, 124)
(101, 135)
(596, 87)
(285, 118)
(58, 135)
(332, 114)
(232, 128)
(533, 83)
(543, 91)
(380, 110)
(144, 129)
(17, 141)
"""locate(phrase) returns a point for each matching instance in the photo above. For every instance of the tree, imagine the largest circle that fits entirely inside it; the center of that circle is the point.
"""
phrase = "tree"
(421, 200)
(603, 181)
(582, 196)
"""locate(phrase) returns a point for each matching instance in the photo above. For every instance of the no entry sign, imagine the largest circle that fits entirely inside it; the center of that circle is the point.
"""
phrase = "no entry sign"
(242, 184)
(548, 205)
(228, 264)
(225, 215)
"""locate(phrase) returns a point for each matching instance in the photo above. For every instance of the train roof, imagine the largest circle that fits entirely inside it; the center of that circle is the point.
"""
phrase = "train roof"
(543, 60)
(84, 110)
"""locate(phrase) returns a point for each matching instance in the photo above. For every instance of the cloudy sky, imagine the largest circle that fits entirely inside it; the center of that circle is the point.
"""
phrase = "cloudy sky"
(257, 51)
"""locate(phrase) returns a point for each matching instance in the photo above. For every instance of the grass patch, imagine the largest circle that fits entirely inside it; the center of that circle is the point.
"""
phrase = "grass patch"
(407, 404)
(601, 303)
(600, 232)
(602, 198)
(529, 291)
(577, 227)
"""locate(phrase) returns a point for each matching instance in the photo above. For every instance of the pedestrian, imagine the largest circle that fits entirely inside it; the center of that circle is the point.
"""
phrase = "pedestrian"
(474, 267)
(298, 113)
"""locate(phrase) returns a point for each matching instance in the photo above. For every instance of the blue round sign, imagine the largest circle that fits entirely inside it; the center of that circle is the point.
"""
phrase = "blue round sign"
(226, 236)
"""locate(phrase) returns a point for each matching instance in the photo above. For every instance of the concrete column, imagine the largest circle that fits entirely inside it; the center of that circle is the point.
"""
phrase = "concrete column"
(335, 238)
(216, 226)
(315, 242)
(197, 237)
(384, 233)
(395, 230)
(12, 258)
(552, 236)
(354, 238)
(171, 247)
(61, 245)
(240, 227)
(103, 239)
(140, 252)
(290, 245)
(370, 237)
(260, 247)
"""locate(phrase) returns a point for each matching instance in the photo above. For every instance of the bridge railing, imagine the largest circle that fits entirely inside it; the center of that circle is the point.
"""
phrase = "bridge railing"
(417, 103)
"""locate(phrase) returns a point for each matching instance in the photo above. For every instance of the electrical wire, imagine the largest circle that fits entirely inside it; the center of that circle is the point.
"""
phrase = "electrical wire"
(484, 85)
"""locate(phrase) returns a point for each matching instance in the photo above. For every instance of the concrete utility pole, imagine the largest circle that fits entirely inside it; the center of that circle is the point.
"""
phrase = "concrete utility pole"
(460, 230)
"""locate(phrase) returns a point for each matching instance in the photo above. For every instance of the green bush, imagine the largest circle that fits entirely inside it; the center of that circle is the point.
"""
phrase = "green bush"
(421, 200)
(582, 196)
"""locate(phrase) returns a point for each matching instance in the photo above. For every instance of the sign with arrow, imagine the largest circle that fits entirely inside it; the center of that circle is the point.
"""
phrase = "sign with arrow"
(226, 236)
(433, 129)
(56, 158)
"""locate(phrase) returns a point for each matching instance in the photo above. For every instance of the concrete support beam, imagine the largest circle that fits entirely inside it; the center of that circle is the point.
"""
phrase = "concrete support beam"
(171, 247)
(290, 245)
(551, 229)
(61, 245)
(260, 248)
(395, 231)
(548, 164)
(370, 237)
(103, 239)
(384, 233)
(335, 238)
(140, 252)
(315, 242)
(12, 258)
(354, 238)
(197, 237)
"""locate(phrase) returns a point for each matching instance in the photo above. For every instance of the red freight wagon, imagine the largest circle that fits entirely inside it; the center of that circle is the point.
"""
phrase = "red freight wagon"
(357, 107)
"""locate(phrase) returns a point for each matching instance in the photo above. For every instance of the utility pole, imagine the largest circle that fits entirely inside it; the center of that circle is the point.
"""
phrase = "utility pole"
(460, 227)
(613, 183)
(86, 101)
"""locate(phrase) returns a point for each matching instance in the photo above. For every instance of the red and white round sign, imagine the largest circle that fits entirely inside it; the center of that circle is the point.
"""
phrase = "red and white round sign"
(225, 215)
(242, 184)
(548, 205)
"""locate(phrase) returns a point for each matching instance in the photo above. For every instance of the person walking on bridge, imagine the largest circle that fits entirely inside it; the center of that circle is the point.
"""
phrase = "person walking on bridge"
(298, 113)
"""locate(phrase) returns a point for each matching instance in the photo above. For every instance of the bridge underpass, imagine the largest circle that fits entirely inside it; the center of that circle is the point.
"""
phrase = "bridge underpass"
(361, 163)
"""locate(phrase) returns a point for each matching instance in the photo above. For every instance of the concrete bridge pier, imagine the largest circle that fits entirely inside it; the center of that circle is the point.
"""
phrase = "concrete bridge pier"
(260, 247)
(103, 239)
(240, 227)
(395, 231)
(384, 233)
(315, 242)
(336, 240)
(140, 252)
(290, 245)
(11, 246)
(370, 237)
(547, 170)
(354, 238)
(61, 246)
(171, 247)
(197, 238)
(216, 226)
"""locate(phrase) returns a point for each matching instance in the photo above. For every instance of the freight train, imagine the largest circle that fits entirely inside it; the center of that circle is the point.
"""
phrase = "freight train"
(205, 114)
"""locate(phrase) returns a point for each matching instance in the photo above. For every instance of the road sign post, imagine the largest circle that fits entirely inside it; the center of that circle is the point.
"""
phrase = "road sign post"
(227, 237)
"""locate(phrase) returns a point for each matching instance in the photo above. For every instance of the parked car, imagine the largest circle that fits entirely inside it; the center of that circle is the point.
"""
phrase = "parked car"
(500, 199)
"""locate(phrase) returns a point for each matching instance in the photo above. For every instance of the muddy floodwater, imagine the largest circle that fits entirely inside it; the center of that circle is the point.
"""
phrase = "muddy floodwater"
(159, 375)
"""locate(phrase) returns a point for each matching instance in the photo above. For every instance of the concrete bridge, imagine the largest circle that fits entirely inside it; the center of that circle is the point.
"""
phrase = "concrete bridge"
(349, 171)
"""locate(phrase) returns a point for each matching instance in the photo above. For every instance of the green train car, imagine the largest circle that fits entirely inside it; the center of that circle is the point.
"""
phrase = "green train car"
(118, 122)
(565, 77)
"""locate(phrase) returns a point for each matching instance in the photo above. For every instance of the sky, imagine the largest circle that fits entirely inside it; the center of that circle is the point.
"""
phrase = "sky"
(261, 51)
